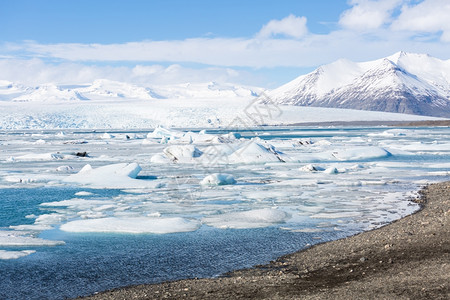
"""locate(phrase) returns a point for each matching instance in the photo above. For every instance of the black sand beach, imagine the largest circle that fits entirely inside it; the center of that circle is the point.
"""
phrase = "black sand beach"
(407, 259)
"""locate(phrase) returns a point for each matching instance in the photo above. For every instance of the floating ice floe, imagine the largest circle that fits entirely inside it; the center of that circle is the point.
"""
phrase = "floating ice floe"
(359, 153)
(133, 225)
(39, 156)
(30, 178)
(253, 152)
(83, 193)
(64, 169)
(311, 168)
(23, 238)
(40, 142)
(4, 254)
(257, 218)
(331, 170)
(106, 136)
(182, 153)
(218, 179)
(390, 133)
(122, 175)
(161, 132)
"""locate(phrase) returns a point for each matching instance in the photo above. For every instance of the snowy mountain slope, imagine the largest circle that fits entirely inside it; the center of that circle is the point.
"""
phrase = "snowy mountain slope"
(49, 92)
(206, 90)
(103, 89)
(403, 82)
(116, 89)
(10, 90)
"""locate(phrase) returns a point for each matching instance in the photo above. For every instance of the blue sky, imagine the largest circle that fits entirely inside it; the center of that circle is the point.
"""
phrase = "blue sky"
(112, 21)
(265, 43)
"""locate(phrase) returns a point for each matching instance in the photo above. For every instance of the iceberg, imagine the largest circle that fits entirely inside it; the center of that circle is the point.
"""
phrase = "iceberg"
(116, 176)
(132, 225)
(218, 179)
(15, 254)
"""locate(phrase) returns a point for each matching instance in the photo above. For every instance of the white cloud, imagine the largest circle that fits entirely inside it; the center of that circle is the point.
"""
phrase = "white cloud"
(368, 14)
(386, 31)
(291, 26)
(429, 16)
(310, 51)
(35, 71)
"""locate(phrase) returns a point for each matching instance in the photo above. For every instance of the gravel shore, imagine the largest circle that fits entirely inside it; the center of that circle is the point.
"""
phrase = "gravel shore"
(407, 259)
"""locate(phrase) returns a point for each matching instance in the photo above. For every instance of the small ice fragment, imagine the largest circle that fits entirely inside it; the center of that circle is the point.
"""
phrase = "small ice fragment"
(83, 193)
(15, 254)
(331, 170)
(310, 168)
(106, 136)
(218, 179)
(65, 169)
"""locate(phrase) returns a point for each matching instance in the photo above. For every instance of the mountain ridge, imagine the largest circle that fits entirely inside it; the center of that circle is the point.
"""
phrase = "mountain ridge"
(402, 83)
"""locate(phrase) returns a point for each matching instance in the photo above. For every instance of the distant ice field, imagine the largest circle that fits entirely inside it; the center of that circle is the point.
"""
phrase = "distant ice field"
(88, 210)
(225, 112)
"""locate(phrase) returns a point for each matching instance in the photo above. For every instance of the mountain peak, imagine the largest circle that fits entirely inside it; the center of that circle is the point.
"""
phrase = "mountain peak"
(403, 82)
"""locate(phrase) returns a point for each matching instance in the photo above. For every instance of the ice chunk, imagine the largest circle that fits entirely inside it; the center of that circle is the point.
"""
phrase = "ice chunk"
(391, 133)
(106, 136)
(15, 238)
(36, 156)
(15, 254)
(160, 158)
(331, 170)
(40, 142)
(120, 175)
(161, 132)
(253, 152)
(132, 225)
(83, 193)
(358, 153)
(182, 153)
(49, 219)
(65, 169)
(257, 218)
(32, 227)
(311, 168)
(218, 179)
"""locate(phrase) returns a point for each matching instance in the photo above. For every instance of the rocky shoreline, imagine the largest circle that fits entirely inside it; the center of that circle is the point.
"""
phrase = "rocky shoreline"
(407, 259)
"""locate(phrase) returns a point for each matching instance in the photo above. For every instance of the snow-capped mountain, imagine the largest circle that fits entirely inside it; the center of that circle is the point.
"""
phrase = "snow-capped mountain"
(117, 89)
(404, 83)
(104, 89)
(49, 92)
(10, 90)
(206, 90)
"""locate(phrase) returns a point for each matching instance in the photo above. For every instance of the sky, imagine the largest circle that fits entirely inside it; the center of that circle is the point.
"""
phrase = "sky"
(261, 43)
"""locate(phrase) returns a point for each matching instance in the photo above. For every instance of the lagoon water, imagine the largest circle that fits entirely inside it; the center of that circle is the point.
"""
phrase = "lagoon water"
(294, 187)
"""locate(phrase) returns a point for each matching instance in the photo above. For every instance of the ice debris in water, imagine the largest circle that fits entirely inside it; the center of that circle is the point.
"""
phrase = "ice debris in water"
(4, 254)
(122, 175)
(218, 179)
(132, 225)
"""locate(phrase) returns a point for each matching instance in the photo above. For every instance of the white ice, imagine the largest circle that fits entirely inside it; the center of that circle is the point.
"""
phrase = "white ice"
(218, 179)
(4, 254)
(116, 176)
(132, 225)
(23, 238)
